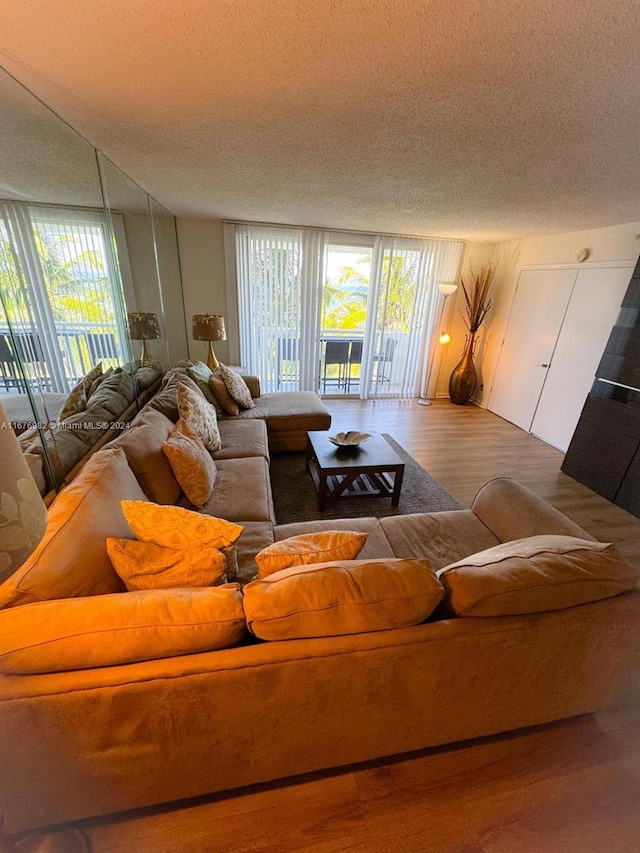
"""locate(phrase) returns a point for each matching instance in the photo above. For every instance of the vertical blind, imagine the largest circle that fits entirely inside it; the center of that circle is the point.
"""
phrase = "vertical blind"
(60, 295)
(280, 275)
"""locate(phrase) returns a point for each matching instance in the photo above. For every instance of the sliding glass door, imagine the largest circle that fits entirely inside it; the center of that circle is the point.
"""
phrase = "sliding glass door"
(338, 314)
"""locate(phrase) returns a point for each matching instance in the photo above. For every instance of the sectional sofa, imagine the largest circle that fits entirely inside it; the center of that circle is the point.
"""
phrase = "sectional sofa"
(123, 714)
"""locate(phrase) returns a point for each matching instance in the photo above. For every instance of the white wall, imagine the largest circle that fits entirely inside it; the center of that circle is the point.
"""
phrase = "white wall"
(203, 278)
(616, 243)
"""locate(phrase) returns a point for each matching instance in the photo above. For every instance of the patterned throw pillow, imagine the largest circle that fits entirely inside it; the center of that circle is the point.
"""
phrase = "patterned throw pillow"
(77, 399)
(191, 463)
(175, 527)
(309, 548)
(237, 387)
(221, 391)
(142, 565)
(200, 416)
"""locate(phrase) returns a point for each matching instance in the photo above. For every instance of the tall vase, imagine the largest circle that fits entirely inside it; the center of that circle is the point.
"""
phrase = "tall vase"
(464, 378)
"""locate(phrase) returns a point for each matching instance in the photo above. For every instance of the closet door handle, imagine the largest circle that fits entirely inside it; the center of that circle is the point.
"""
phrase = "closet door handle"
(542, 365)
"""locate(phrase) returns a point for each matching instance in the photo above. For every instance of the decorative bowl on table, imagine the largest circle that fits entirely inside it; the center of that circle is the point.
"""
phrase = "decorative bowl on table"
(353, 438)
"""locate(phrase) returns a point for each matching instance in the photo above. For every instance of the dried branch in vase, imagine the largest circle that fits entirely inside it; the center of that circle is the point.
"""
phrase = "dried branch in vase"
(476, 289)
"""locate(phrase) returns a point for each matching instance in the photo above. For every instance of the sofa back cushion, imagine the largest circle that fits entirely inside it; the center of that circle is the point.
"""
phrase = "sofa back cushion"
(347, 597)
(108, 630)
(114, 394)
(142, 444)
(72, 560)
(166, 399)
(534, 575)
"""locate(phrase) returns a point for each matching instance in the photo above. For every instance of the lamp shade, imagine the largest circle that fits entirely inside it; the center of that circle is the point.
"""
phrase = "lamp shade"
(209, 327)
(446, 288)
(23, 515)
(143, 326)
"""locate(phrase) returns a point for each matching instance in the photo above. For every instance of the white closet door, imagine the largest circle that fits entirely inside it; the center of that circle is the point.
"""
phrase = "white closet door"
(593, 309)
(538, 308)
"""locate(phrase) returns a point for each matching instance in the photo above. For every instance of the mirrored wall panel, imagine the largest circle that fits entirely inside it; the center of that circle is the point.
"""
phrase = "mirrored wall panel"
(83, 340)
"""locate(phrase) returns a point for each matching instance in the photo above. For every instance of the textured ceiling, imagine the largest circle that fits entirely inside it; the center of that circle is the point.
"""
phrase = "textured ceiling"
(480, 119)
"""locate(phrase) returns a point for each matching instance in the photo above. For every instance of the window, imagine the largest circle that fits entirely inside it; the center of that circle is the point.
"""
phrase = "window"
(337, 313)
(61, 299)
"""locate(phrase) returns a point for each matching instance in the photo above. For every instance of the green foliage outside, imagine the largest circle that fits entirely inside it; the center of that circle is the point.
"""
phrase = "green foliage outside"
(345, 299)
(78, 287)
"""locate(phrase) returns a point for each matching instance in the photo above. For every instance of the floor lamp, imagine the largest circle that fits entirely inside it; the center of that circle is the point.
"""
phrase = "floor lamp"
(446, 289)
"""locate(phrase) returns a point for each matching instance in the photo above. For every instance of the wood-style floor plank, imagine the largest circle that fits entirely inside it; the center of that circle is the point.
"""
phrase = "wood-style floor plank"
(569, 787)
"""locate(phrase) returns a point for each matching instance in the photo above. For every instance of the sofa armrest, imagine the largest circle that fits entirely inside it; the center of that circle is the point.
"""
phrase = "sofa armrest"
(511, 511)
(253, 384)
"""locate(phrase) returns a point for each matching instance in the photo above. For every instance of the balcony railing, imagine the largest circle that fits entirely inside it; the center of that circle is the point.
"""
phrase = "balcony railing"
(80, 346)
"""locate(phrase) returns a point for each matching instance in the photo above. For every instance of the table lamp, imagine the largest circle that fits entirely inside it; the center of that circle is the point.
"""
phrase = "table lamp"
(209, 327)
(23, 515)
(143, 326)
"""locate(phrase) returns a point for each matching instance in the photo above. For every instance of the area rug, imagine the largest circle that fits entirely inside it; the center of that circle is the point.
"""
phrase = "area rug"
(295, 498)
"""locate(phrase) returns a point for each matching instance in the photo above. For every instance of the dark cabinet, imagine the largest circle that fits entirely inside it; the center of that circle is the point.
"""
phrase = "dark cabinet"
(604, 453)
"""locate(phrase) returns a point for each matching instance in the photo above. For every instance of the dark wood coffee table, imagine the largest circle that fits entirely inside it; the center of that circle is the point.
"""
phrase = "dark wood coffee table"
(373, 469)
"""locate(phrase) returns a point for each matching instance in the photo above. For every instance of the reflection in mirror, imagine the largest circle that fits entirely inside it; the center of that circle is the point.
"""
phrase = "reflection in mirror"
(133, 249)
(166, 240)
(63, 329)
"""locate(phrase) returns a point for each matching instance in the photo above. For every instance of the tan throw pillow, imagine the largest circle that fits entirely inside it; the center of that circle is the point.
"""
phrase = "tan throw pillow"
(348, 597)
(72, 558)
(191, 463)
(142, 565)
(308, 548)
(77, 399)
(175, 527)
(534, 575)
(200, 416)
(107, 630)
(222, 394)
(237, 387)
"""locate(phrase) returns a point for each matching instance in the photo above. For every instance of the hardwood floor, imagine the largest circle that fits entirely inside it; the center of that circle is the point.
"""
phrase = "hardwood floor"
(569, 787)
(463, 447)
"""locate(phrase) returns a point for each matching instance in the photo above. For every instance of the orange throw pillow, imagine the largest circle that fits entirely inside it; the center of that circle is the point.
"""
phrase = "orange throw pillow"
(142, 565)
(320, 547)
(191, 463)
(175, 527)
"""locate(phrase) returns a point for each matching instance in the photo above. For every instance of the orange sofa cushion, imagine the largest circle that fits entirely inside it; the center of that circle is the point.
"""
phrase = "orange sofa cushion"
(72, 558)
(320, 547)
(534, 575)
(142, 565)
(106, 630)
(347, 597)
(175, 527)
